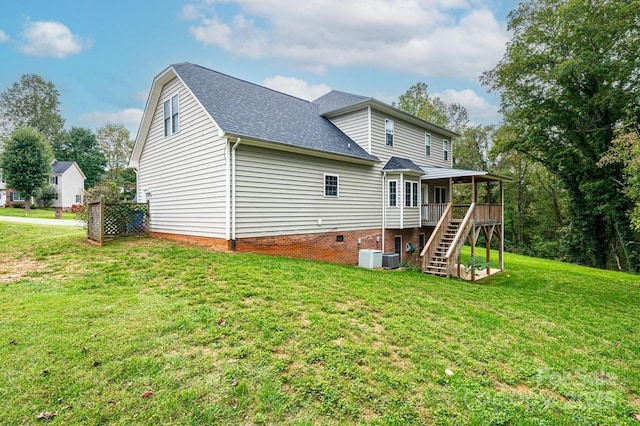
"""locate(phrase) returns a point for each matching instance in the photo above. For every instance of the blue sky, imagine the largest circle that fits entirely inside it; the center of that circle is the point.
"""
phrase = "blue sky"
(102, 56)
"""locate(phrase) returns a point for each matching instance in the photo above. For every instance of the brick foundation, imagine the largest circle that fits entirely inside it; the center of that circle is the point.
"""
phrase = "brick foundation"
(318, 246)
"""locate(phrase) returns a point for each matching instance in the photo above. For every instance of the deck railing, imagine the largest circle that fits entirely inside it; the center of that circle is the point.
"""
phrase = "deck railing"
(431, 213)
(488, 214)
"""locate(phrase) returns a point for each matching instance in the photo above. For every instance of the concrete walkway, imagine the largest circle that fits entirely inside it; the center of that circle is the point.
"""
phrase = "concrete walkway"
(36, 221)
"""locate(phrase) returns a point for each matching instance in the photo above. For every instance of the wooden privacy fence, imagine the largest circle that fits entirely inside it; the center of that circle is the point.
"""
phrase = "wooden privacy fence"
(106, 221)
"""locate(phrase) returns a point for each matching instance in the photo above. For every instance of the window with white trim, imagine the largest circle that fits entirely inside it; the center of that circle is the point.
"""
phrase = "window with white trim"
(445, 150)
(393, 193)
(331, 183)
(171, 116)
(411, 194)
(427, 145)
(78, 198)
(388, 132)
(16, 196)
(53, 180)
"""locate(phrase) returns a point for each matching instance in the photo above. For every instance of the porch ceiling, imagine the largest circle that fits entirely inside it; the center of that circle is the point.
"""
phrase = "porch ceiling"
(461, 176)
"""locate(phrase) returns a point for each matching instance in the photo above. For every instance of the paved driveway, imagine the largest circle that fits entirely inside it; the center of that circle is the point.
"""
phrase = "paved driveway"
(34, 221)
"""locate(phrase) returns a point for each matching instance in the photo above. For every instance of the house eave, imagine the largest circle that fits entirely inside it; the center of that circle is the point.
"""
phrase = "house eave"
(279, 146)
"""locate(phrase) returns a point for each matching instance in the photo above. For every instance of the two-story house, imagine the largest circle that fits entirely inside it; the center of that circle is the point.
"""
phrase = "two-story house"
(238, 166)
(68, 179)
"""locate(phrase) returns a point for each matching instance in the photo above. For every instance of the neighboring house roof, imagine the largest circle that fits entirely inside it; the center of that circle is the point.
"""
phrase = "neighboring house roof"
(442, 173)
(59, 167)
(248, 110)
(401, 164)
(336, 103)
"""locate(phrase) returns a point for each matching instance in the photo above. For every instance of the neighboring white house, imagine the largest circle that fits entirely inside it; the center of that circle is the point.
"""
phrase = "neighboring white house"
(68, 179)
(3, 190)
(238, 166)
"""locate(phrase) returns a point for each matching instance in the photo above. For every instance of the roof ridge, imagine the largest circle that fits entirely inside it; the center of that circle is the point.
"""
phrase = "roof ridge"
(244, 81)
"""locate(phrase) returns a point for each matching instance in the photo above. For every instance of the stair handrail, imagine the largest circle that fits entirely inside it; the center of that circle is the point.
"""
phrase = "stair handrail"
(462, 233)
(438, 232)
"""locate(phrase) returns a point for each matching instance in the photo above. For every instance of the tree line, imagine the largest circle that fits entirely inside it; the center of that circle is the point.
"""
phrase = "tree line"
(32, 135)
(570, 137)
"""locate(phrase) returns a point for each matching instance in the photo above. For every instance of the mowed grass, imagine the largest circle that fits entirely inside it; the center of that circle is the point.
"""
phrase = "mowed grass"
(145, 331)
(35, 213)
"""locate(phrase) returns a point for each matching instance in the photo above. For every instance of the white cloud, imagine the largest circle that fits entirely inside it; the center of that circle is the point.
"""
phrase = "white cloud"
(296, 87)
(51, 39)
(478, 108)
(129, 118)
(4, 37)
(437, 39)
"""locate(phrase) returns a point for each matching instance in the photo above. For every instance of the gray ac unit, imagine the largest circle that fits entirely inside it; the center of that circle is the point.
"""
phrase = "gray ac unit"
(391, 260)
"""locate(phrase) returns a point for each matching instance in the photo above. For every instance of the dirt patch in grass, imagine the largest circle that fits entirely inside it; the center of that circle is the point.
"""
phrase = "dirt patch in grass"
(12, 269)
(519, 389)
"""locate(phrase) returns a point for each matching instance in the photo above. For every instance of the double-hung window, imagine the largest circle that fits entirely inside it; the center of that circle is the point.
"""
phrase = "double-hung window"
(445, 150)
(393, 193)
(331, 183)
(427, 144)
(53, 180)
(171, 116)
(411, 194)
(388, 132)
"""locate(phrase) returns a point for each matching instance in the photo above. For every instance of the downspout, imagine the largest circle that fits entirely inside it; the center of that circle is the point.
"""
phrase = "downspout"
(233, 194)
(384, 215)
(135, 170)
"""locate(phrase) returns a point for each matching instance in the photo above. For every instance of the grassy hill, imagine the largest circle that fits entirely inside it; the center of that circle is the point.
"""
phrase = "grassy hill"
(151, 332)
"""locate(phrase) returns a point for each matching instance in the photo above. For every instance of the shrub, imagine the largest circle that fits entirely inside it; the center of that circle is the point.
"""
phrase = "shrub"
(18, 205)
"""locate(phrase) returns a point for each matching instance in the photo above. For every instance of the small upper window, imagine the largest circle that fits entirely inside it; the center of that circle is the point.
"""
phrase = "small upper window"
(445, 150)
(331, 185)
(171, 116)
(427, 144)
(388, 131)
(53, 180)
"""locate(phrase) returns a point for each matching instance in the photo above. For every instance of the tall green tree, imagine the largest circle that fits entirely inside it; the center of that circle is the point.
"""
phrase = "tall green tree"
(81, 145)
(417, 101)
(26, 162)
(116, 145)
(566, 80)
(31, 102)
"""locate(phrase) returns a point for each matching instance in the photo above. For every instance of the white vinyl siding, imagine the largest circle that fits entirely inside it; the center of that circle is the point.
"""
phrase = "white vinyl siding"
(70, 185)
(184, 175)
(281, 193)
(409, 142)
(355, 125)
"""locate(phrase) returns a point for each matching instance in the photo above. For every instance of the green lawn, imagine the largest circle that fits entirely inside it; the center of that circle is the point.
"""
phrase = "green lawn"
(145, 331)
(35, 213)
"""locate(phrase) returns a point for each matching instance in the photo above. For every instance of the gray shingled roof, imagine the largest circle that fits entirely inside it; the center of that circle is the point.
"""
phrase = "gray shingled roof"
(336, 100)
(255, 112)
(59, 167)
(397, 163)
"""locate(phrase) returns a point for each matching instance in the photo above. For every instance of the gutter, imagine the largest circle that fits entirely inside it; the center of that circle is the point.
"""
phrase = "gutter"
(384, 216)
(233, 193)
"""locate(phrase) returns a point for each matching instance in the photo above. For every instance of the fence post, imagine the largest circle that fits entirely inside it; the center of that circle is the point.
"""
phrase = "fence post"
(101, 220)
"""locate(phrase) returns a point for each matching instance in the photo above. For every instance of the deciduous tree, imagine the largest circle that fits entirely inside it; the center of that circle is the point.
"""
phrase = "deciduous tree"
(31, 102)
(569, 75)
(80, 145)
(26, 162)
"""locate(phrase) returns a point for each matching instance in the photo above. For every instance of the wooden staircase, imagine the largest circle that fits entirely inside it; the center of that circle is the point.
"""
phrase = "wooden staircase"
(437, 264)
(442, 251)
